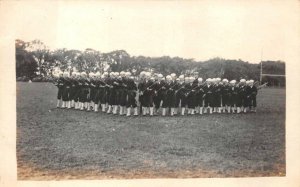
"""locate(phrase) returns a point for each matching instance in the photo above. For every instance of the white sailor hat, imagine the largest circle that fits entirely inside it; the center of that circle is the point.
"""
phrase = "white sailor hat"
(148, 74)
(142, 73)
(102, 76)
(127, 73)
(66, 73)
(200, 79)
(122, 73)
(173, 75)
(105, 73)
(152, 78)
(74, 73)
(251, 81)
(232, 81)
(55, 74)
(131, 77)
(97, 74)
(224, 80)
(168, 77)
(218, 79)
(160, 76)
(192, 78)
(91, 74)
(83, 73)
(181, 77)
(112, 73)
(177, 79)
(60, 73)
(208, 80)
(117, 73)
(242, 80)
(247, 82)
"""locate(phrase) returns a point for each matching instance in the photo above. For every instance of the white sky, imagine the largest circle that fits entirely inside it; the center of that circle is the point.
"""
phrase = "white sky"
(199, 30)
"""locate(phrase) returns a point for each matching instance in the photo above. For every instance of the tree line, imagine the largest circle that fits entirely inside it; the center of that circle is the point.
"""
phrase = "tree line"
(34, 60)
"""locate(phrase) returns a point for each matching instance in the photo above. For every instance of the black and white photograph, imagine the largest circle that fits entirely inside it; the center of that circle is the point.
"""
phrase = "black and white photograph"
(111, 90)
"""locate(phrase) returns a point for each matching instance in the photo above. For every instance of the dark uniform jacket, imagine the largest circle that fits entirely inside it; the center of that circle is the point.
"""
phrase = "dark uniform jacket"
(142, 86)
(181, 88)
(208, 89)
(225, 90)
(165, 87)
(131, 86)
(251, 91)
(172, 87)
(158, 87)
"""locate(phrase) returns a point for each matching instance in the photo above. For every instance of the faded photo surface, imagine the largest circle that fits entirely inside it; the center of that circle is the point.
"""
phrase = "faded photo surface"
(144, 90)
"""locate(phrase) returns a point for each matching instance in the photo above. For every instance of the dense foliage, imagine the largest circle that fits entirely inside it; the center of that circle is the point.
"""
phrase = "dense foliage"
(34, 61)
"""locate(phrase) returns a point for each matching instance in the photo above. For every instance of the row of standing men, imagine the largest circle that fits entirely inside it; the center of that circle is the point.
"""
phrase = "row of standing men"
(121, 93)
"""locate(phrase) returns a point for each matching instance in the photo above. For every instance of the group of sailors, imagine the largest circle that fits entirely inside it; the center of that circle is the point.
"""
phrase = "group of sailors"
(120, 93)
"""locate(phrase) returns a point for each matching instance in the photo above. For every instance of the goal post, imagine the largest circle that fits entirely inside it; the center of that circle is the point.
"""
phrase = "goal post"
(276, 77)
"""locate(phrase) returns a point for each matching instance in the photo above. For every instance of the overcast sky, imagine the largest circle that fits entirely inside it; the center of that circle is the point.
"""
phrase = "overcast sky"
(199, 30)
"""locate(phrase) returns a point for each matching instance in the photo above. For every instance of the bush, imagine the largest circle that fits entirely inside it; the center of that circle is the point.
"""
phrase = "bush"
(19, 79)
(42, 79)
(46, 79)
(23, 79)
(37, 79)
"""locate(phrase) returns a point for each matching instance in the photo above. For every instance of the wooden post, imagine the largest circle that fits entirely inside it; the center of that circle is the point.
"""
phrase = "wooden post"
(261, 66)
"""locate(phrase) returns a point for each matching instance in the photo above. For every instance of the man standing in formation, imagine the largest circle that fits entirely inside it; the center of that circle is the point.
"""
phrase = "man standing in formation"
(120, 93)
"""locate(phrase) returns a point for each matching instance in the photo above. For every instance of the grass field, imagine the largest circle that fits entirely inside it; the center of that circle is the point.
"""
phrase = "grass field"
(67, 144)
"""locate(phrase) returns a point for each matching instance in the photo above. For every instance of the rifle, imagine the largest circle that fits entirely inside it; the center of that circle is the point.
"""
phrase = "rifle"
(168, 88)
(212, 87)
(92, 84)
(87, 82)
(252, 94)
(173, 85)
(180, 88)
(151, 85)
(212, 90)
(68, 81)
(200, 86)
(80, 82)
(261, 86)
(256, 82)
(101, 81)
(161, 87)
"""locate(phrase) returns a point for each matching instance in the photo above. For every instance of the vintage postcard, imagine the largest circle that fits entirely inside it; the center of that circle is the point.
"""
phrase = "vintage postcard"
(161, 91)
